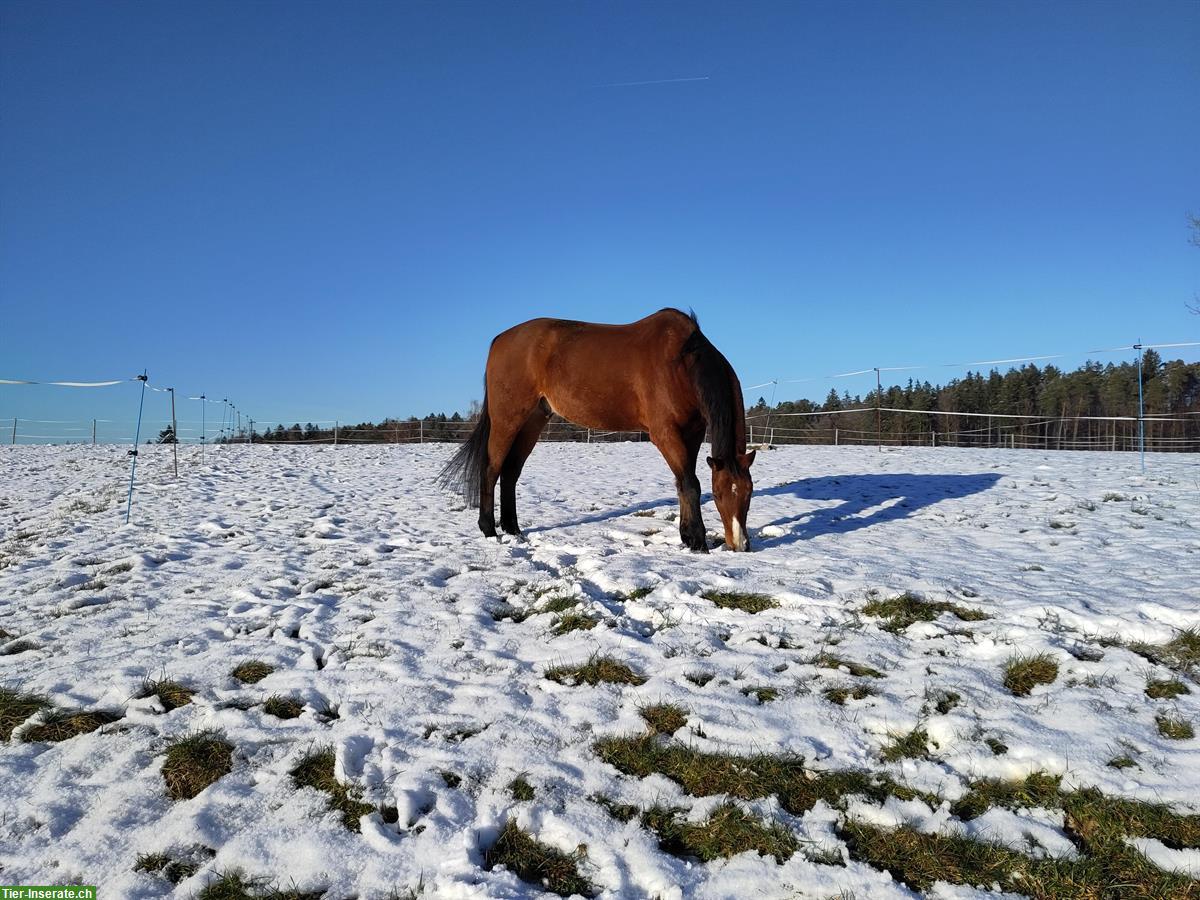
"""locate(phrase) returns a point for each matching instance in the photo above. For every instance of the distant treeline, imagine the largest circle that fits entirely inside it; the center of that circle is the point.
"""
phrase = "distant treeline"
(1101, 390)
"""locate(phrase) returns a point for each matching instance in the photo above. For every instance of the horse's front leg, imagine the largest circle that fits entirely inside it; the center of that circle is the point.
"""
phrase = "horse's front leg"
(680, 455)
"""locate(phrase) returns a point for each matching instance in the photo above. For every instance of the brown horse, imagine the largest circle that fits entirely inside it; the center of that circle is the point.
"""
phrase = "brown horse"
(659, 375)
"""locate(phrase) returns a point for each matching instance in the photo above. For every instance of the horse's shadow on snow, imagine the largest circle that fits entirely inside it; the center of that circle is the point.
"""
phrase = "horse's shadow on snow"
(866, 500)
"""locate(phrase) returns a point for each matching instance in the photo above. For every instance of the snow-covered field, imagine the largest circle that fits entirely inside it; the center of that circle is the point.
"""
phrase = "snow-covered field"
(400, 629)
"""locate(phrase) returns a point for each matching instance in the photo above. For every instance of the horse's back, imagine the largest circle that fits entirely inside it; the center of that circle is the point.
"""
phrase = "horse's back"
(597, 375)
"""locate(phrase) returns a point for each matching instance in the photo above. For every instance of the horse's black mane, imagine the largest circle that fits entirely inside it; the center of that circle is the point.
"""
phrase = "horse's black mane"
(714, 380)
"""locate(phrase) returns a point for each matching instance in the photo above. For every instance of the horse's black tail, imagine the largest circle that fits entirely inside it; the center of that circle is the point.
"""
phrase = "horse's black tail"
(465, 469)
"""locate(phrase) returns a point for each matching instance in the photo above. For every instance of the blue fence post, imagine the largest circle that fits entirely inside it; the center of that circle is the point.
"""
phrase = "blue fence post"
(134, 452)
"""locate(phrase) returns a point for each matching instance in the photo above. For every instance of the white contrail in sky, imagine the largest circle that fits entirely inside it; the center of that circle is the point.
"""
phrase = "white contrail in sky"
(655, 81)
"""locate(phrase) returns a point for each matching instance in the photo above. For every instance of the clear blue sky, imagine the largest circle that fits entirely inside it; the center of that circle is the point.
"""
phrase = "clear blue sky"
(327, 210)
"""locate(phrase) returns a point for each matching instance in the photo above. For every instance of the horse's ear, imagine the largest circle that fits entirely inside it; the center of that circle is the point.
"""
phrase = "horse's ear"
(715, 464)
(746, 460)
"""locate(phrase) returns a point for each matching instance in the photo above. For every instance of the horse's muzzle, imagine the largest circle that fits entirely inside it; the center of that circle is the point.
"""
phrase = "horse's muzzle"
(740, 540)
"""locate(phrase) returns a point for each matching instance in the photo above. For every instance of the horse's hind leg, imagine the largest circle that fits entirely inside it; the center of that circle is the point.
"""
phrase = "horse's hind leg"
(508, 420)
(522, 446)
(680, 450)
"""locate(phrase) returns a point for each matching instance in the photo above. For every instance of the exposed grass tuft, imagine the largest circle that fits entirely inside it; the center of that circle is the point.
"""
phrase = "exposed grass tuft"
(902, 611)
(622, 812)
(63, 724)
(18, 647)
(560, 603)
(171, 694)
(914, 745)
(16, 707)
(945, 701)
(1165, 688)
(236, 885)
(750, 603)
(998, 747)
(1180, 654)
(727, 831)
(315, 770)
(635, 594)
(597, 669)
(1176, 728)
(520, 789)
(826, 660)
(252, 671)
(664, 718)
(1022, 673)
(537, 863)
(1098, 825)
(1124, 761)
(744, 777)
(195, 762)
(450, 779)
(282, 707)
(1038, 790)
(573, 621)
(699, 679)
(840, 693)
(762, 694)
(174, 870)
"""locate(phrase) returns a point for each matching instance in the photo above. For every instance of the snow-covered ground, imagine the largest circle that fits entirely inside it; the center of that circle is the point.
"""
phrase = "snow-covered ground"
(372, 593)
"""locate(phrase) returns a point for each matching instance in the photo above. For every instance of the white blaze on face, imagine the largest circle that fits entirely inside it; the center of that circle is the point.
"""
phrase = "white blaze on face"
(739, 536)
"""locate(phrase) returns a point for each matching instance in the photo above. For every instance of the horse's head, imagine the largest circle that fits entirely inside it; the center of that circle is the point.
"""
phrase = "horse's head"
(732, 487)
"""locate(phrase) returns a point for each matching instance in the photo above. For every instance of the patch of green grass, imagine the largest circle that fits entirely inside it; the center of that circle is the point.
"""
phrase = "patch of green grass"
(1180, 654)
(573, 621)
(63, 724)
(236, 885)
(703, 774)
(914, 745)
(315, 770)
(762, 694)
(282, 707)
(171, 694)
(727, 831)
(195, 762)
(840, 693)
(1176, 728)
(1106, 866)
(174, 870)
(252, 671)
(749, 603)
(16, 707)
(664, 718)
(598, 668)
(1165, 688)
(1124, 761)
(902, 611)
(537, 863)
(1023, 672)
(520, 789)
(826, 660)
